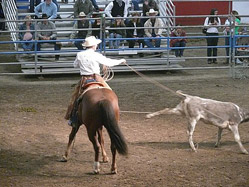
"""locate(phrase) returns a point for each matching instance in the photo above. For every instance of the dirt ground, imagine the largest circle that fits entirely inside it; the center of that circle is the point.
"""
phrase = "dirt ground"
(34, 135)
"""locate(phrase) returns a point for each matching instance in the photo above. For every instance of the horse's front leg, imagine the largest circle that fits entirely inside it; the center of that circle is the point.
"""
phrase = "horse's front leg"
(93, 138)
(114, 166)
(101, 141)
(70, 141)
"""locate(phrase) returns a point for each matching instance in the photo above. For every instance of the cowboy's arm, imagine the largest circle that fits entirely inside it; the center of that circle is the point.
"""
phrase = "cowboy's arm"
(101, 59)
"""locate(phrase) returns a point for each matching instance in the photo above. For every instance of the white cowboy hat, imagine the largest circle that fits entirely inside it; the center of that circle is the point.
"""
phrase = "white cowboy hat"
(152, 11)
(82, 14)
(91, 41)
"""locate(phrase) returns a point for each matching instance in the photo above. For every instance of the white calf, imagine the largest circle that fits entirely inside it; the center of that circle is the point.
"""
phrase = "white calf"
(222, 114)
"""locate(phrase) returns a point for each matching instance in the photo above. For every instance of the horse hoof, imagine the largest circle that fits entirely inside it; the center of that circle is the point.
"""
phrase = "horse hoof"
(64, 159)
(96, 171)
(114, 171)
(105, 160)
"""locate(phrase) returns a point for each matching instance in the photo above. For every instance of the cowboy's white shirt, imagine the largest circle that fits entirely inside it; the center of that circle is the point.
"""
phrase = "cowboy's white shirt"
(88, 61)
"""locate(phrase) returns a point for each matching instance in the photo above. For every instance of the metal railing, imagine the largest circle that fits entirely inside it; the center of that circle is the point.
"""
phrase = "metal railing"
(166, 48)
(10, 12)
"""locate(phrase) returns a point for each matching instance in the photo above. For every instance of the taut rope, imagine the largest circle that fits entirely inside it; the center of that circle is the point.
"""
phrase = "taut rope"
(166, 88)
(154, 82)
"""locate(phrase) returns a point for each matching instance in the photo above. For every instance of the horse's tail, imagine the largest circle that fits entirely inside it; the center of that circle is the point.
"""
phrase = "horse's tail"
(111, 124)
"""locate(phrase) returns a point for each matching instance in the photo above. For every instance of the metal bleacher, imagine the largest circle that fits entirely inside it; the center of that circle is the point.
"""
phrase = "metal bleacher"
(45, 63)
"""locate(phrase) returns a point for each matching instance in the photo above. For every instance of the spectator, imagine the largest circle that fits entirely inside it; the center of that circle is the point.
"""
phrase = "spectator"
(117, 33)
(115, 8)
(28, 29)
(95, 5)
(134, 32)
(34, 3)
(155, 29)
(48, 8)
(96, 25)
(212, 30)
(233, 19)
(2, 23)
(85, 6)
(83, 23)
(147, 5)
(47, 35)
(178, 42)
(136, 4)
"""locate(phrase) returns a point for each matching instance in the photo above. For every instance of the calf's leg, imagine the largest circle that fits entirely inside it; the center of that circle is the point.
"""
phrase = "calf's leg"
(191, 128)
(219, 137)
(234, 129)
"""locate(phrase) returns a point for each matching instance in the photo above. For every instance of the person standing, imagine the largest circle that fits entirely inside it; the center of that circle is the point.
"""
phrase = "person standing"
(234, 19)
(211, 23)
(89, 62)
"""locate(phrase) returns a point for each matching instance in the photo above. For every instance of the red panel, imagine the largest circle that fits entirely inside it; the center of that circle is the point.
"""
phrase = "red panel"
(199, 8)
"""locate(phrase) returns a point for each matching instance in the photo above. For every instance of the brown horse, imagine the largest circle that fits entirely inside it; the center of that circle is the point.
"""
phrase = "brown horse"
(98, 108)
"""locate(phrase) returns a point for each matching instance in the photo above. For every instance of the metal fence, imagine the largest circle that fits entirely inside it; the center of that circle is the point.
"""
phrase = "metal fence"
(194, 33)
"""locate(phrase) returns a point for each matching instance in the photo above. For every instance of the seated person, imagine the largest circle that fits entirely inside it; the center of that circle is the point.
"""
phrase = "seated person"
(83, 23)
(117, 33)
(97, 25)
(47, 7)
(34, 3)
(116, 8)
(47, 35)
(147, 5)
(85, 6)
(153, 32)
(134, 32)
(175, 42)
(28, 34)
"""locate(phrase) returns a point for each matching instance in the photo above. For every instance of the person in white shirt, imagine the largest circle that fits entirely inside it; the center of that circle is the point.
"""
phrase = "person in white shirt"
(117, 7)
(89, 63)
(212, 23)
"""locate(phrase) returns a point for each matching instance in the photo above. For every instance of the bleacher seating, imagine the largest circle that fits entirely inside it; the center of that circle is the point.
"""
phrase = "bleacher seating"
(47, 64)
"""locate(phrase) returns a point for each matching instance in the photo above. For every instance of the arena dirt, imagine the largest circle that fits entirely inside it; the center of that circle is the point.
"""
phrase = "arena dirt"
(34, 135)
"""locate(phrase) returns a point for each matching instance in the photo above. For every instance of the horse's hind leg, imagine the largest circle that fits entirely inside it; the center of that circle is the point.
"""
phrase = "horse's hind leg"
(114, 166)
(101, 141)
(70, 141)
(93, 138)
